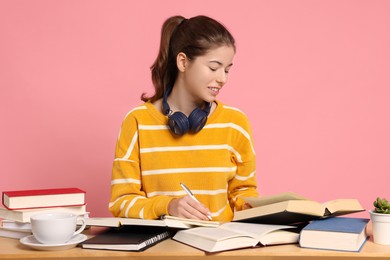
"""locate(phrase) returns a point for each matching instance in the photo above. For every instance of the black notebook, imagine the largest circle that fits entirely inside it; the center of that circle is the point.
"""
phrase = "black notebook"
(127, 238)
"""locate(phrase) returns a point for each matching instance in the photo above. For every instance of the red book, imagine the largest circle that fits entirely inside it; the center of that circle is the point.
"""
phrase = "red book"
(45, 198)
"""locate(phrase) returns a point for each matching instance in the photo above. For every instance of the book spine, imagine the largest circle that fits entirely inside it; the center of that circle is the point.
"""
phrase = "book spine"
(42, 192)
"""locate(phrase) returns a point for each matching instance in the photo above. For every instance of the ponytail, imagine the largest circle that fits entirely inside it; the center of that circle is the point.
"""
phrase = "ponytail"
(164, 69)
(194, 37)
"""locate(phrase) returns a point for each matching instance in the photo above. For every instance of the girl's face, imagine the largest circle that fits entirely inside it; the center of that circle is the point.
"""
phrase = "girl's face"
(206, 75)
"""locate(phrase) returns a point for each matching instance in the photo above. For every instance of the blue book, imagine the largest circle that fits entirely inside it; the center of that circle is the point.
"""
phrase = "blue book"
(336, 233)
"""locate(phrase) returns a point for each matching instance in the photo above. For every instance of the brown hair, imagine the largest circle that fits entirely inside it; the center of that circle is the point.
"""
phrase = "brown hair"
(194, 37)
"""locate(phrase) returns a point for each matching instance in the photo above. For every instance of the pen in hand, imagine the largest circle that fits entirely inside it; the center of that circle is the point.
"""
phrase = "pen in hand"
(188, 191)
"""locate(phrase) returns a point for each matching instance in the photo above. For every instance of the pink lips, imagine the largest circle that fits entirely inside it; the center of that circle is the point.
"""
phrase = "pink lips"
(214, 90)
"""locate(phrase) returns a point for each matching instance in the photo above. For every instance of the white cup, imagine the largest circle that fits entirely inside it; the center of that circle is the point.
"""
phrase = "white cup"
(55, 228)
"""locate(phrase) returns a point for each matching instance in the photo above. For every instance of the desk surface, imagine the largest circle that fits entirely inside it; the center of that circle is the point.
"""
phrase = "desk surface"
(169, 249)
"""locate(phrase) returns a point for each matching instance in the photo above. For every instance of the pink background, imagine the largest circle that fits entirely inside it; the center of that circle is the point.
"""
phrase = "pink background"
(312, 76)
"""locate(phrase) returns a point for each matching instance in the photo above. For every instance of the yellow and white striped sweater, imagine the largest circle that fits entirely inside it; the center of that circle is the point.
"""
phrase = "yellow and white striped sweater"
(217, 164)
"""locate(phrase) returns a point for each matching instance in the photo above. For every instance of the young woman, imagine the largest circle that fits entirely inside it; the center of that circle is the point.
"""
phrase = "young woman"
(183, 134)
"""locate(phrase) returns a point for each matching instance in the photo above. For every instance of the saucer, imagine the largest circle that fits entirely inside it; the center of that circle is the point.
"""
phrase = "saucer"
(32, 242)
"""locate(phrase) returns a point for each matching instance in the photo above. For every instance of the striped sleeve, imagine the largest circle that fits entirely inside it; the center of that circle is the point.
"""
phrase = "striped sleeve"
(127, 197)
(244, 182)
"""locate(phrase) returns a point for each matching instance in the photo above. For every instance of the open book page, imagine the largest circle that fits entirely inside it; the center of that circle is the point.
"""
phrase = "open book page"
(178, 222)
(342, 206)
(271, 199)
(213, 234)
(256, 231)
(166, 221)
(285, 212)
(307, 207)
(214, 239)
(279, 237)
(266, 234)
(116, 222)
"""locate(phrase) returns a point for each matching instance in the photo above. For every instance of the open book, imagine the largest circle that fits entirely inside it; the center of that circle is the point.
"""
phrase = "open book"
(166, 221)
(233, 235)
(289, 208)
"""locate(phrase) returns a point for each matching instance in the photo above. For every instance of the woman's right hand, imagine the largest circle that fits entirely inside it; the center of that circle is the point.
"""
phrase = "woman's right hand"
(186, 207)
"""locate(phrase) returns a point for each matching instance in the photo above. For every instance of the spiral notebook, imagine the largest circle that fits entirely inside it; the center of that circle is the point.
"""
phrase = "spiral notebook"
(127, 238)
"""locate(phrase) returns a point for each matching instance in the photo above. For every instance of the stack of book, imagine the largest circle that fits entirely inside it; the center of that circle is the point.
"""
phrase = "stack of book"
(18, 206)
(324, 226)
(13, 229)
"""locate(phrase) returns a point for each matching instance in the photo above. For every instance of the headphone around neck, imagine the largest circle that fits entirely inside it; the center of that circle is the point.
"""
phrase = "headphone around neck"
(179, 123)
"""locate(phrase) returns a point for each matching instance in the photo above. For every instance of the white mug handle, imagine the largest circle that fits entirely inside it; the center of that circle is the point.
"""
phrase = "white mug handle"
(83, 225)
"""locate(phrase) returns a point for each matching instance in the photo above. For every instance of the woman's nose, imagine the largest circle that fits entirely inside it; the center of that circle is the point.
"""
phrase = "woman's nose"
(222, 78)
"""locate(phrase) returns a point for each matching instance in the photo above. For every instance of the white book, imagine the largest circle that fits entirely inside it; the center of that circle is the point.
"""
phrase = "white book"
(43, 198)
(24, 215)
(11, 224)
(14, 233)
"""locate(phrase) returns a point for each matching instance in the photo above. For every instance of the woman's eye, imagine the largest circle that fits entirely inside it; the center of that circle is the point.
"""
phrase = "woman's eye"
(215, 69)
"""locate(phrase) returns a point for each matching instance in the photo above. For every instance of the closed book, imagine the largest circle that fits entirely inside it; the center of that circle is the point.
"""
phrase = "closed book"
(291, 208)
(43, 198)
(127, 238)
(234, 235)
(337, 233)
(23, 215)
(14, 233)
(11, 224)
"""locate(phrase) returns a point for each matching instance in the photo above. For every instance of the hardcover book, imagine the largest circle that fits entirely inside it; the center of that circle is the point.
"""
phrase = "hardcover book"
(14, 233)
(24, 215)
(5, 223)
(127, 238)
(338, 233)
(291, 208)
(43, 198)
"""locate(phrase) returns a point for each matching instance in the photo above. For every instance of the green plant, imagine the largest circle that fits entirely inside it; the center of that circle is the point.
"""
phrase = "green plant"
(382, 206)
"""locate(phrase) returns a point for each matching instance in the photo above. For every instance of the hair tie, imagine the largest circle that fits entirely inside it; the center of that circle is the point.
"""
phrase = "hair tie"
(183, 21)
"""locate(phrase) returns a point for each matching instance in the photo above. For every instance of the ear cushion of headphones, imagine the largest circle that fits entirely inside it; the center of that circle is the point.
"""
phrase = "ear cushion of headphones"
(178, 123)
(197, 119)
